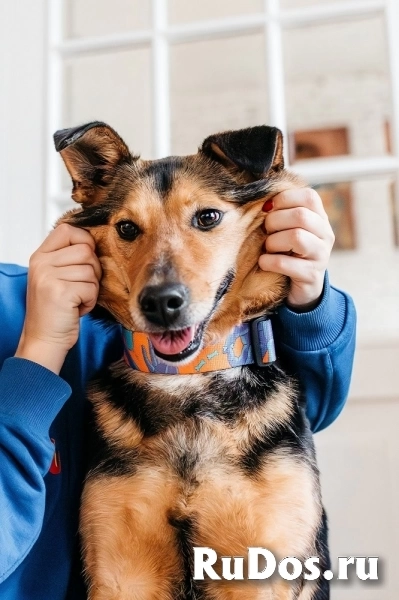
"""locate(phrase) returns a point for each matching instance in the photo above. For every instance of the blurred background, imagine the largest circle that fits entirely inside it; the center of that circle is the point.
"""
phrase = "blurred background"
(167, 73)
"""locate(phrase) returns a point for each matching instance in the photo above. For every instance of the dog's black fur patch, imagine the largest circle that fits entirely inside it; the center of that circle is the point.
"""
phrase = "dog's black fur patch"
(163, 172)
(251, 149)
(292, 437)
(65, 137)
(105, 461)
(92, 216)
(184, 533)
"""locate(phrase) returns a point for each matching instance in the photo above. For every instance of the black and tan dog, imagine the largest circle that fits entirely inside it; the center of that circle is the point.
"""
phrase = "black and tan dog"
(199, 441)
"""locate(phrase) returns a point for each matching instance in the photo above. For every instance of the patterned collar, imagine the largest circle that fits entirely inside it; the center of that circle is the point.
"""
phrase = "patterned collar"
(247, 344)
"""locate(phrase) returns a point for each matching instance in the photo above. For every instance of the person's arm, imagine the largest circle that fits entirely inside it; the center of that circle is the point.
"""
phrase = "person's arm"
(315, 329)
(63, 282)
(317, 347)
(30, 398)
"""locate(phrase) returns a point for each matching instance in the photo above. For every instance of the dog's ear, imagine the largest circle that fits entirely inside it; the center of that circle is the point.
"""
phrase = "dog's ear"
(250, 154)
(91, 154)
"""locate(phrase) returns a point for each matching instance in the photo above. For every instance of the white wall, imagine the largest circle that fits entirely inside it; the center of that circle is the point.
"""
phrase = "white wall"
(23, 102)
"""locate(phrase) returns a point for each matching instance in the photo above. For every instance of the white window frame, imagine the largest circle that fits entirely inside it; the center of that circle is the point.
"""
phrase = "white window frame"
(273, 21)
(161, 36)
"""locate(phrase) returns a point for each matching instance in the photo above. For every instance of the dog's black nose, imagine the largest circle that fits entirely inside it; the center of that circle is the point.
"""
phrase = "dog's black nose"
(163, 304)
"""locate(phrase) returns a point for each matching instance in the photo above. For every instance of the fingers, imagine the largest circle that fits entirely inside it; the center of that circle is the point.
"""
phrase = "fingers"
(298, 218)
(299, 242)
(78, 254)
(65, 235)
(83, 286)
(67, 245)
(63, 285)
(85, 296)
(287, 265)
(76, 273)
(297, 223)
(303, 197)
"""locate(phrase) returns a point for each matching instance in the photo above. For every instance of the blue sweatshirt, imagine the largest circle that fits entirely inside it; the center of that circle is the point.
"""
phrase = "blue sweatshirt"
(42, 433)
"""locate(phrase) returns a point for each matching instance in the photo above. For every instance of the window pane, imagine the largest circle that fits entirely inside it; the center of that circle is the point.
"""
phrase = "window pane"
(337, 78)
(338, 203)
(181, 11)
(370, 273)
(114, 88)
(216, 85)
(315, 143)
(85, 18)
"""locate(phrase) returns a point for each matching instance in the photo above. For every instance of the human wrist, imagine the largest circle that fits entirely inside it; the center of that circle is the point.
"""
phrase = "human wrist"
(50, 355)
(305, 297)
(304, 306)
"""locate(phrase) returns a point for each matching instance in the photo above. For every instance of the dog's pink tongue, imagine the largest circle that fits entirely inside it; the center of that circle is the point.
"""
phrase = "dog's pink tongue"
(172, 342)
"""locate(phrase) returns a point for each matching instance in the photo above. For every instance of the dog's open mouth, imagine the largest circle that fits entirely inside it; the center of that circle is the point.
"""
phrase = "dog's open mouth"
(177, 345)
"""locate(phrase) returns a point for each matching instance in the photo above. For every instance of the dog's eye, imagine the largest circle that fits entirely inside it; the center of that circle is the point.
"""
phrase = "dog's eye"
(127, 230)
(206, 219)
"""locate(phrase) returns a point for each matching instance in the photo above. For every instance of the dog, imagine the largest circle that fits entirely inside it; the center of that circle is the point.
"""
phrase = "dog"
(201, 438)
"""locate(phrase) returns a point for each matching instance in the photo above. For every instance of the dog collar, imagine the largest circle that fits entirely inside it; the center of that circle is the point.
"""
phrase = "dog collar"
(247, 344)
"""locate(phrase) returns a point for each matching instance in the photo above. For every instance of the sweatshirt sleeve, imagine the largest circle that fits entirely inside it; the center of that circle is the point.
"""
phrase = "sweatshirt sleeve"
(318, 348)
(30, 398)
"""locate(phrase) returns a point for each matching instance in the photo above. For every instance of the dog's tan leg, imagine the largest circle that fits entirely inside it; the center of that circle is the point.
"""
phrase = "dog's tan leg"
(278, 510)
(130, 550)
(251, 591)
(309, 591)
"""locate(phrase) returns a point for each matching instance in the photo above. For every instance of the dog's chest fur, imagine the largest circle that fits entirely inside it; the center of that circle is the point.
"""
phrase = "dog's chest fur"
(236, 416)
(223, 461)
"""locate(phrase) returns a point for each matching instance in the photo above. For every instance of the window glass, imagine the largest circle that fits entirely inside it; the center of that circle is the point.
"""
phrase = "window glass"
(337, 78)
(115, 88)
(216, 85)
(338, 203)
(182, 11)
(370, 272)
(86, 18)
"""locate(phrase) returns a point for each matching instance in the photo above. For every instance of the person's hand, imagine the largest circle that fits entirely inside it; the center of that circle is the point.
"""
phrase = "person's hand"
(63, 284)
(298, 244)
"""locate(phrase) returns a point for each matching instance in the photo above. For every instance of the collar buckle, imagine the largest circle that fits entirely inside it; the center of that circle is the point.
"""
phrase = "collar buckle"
(262, 341)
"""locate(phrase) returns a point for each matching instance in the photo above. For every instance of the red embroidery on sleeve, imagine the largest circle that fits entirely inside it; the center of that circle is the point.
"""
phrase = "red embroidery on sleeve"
(55, 467)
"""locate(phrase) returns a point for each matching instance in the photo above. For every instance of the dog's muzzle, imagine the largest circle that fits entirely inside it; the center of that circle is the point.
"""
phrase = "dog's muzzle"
(164, 304)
